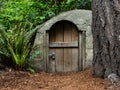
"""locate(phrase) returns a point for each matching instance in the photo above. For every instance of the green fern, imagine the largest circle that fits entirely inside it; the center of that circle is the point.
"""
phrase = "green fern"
(15, 44)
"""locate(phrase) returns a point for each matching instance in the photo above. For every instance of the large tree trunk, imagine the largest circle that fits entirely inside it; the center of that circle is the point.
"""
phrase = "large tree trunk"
(106, 37)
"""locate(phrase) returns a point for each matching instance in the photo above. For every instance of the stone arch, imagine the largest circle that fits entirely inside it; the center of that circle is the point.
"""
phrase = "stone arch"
(67, 21)
(81, 19)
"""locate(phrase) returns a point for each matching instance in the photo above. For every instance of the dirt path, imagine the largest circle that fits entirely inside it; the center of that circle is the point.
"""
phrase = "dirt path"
(42, 81)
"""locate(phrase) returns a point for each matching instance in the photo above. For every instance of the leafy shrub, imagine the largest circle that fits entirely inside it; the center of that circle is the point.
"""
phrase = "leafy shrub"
(36, 11)
(14, 38)
(15, 45)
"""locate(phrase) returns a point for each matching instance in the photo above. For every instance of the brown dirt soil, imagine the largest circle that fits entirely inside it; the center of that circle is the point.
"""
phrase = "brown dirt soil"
(19, 80)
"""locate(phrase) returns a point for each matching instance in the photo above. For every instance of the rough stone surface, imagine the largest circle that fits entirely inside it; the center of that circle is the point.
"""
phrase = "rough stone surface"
(81, 18)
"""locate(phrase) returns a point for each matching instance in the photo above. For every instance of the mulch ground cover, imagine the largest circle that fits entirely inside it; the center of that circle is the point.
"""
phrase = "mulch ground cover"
(21, 80)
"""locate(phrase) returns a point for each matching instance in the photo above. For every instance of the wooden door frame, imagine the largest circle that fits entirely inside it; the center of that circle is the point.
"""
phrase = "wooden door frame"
(81, 50)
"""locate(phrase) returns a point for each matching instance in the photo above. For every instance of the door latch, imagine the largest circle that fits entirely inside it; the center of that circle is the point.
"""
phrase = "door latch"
(51, 55)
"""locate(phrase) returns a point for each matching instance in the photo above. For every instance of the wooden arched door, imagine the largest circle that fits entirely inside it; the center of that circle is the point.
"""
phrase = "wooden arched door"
(63, 47)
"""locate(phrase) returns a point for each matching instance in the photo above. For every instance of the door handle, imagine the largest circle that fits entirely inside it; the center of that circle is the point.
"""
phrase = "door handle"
(52, 56)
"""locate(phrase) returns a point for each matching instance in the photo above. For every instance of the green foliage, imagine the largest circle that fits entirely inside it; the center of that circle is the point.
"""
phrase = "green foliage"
(14, 12)
(84, 4)
(34, 55)
(16, 43)
(66, 5)
(30, 69)
(3, 42)
(15, 35)
(36, 11)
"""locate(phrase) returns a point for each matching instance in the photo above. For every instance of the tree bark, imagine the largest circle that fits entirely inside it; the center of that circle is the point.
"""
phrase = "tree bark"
(106, 37)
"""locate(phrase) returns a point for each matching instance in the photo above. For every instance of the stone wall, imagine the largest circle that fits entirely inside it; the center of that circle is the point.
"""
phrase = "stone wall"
(89, 47)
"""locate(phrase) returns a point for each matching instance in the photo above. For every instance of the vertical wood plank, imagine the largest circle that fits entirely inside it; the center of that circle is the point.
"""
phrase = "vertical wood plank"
(80, 52)
(52, 34)
(52, 63)
(44, 51)
(67, 51)
(47, 50)
(67, 59)
(74, 59)
(59, 60)
(59, 32)
(74, 33)
(59, 51)
(74, 50)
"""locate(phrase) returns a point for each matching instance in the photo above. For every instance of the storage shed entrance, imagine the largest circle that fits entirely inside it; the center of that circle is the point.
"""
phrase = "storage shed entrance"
(66, 45)
(65, 42)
